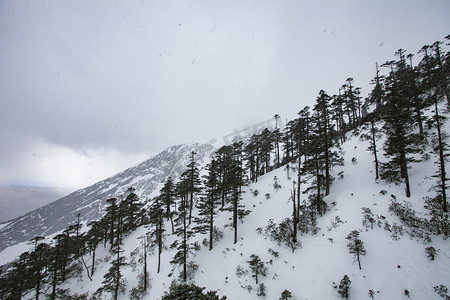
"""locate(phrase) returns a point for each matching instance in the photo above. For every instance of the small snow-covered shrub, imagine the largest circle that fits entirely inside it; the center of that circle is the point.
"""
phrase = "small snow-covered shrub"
(368, 218)
(273, 252)
(406, 214)
(261, 290)
(133, 258)
(282, 233)
(191, 270)
(344, 287)
(439, 222)
(372, 293)
(240, 271)
(217, 234)
(189, 291)
(335, 223)
(442, 291)
(431, 252)
(396, 231)
(143, 284)
(276, 185)
(285, 295)
(196, 246)
(406, 293)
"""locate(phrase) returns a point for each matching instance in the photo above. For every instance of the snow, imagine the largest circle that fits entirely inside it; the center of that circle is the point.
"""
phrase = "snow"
(389, 267)
(3, 225)
(11, 253)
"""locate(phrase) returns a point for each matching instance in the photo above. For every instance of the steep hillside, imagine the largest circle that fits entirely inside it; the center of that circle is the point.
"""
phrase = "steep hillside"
(395, 265)
(89, 202)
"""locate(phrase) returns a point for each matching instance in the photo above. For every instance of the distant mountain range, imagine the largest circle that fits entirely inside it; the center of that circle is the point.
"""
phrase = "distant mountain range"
(17, 200)
(89, 202)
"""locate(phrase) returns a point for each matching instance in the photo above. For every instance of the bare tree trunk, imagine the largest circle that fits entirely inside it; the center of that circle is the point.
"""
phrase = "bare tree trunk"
(374, 145)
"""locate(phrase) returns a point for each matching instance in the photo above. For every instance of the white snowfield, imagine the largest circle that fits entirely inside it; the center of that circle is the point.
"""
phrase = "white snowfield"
(393, 264)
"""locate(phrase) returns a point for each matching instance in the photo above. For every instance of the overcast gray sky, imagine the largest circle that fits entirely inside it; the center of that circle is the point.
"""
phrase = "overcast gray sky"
(88, 88)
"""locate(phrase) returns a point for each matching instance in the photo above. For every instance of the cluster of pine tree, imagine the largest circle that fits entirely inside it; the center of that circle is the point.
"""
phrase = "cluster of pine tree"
(308, 144)
(48, 265)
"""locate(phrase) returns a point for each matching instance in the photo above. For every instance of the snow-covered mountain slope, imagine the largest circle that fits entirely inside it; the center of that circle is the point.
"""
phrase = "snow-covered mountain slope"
(89, 202)
(395, 265)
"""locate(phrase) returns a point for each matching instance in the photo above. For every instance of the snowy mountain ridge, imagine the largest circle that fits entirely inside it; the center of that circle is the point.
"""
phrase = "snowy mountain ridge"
(89, 202)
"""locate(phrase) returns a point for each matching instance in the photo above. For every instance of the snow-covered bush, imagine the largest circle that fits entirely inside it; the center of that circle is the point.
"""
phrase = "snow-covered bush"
(261, 290)
(442, 291)
(368, 218)
(431, 252)
(190, 291)
(285, 295)
(344, 287)
(276, 185)
(282, 233)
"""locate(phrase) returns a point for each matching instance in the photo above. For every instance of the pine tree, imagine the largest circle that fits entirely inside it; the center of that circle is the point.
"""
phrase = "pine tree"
(224, 160)
(373, 146)
(401, 141)
(257, 267)
(157, 234)
(277, 138)
(59, 258)
(442, 148)
(252, 152)
(373, 137)
(302, 142)
(167, 194)
(356, 246)
(235, 177)
(267, 142)
(193, 179)
(377, 95)
(17, 281)
(38, 261)
(442, 72)
(93, 239)
(324, 129)
(352, 102)
(143, 278)
(287, 139)
(111, 218)
(131, 208)
(183, 230)
(209, 202)
(414, 93)
(337, 112)
(438, 205)
(295, 214)
(114, 281)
